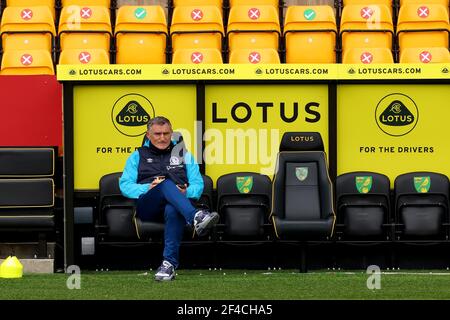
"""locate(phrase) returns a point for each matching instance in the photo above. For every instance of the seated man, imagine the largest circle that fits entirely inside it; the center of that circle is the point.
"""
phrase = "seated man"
(164, 178)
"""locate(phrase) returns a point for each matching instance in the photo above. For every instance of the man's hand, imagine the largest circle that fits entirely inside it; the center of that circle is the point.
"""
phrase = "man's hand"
(156, 181)
(182, 188)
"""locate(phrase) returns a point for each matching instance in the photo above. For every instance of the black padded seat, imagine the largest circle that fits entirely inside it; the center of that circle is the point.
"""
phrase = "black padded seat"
(422, 204)
(244, 201)
(27, 196)
(118, 213)
(22, 193)
(27, 162)
(27, 189)
(302, 192)
(363, 204)
(27, 218)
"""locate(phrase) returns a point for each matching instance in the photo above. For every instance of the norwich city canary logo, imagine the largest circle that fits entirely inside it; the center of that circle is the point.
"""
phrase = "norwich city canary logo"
(244, 184)
(396, 114)
(363, 184)
(422, 184)
(131, 113)
(301, 173)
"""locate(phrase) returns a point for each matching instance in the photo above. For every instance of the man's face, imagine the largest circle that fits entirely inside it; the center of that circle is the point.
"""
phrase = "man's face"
(160, 135)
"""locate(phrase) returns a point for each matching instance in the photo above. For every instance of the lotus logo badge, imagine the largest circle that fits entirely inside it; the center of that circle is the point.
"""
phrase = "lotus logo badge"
(131, 113)
(301, 173)
(396, 114)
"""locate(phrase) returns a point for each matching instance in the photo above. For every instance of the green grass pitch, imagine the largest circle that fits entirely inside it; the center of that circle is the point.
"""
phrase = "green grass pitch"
(231, 285)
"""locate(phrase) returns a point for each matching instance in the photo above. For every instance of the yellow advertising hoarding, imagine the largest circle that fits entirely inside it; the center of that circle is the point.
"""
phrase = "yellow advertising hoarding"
(284, 71)
(245, 123)
(394, 71)
(393, 129)
(164, 72)
(110, 122)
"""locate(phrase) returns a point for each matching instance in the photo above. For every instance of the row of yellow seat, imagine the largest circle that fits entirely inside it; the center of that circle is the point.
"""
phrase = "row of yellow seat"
(219, 3)
(208, 20)
(52, 4)
(197, 29)
(421, 31)
(391, 4)
(40, 61)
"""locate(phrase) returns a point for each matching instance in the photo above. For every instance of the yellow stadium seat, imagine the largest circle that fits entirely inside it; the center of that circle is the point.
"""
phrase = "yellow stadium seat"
(253, 27)
(26, 62)
(425, 55)
(387, 3)
(33, 3)
(196, 27)
(445, 3)
(368, 55)
(85, 28)
(367, 2)
(83, 56)
(366, 26)
(84, 3)
(273, 3)
(141, 34)
(27, 28)
(217, 3)
(422, 26)
(254, 56)
(197, 56)
(310, 34)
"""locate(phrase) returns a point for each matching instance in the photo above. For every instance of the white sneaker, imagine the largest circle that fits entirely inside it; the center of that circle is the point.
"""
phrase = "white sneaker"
(165, 272)
(204, 220)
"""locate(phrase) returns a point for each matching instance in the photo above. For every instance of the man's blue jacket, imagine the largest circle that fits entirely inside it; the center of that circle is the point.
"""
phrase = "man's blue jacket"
(134, 182)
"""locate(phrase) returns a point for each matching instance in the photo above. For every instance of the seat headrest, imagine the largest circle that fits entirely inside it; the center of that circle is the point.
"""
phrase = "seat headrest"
(301, 141)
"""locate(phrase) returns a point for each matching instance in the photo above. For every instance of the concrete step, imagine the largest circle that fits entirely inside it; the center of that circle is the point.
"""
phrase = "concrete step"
(36, 265)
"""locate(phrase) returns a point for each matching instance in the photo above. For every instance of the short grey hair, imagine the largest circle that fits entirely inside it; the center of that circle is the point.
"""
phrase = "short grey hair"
(159, 121)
